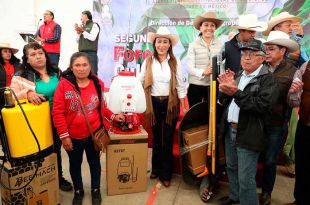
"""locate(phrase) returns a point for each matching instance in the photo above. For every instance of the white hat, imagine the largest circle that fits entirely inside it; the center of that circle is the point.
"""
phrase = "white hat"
(281, 17)
(7, 45)
(282, 39)
(250, 22)
(163, 32)
(209, 17)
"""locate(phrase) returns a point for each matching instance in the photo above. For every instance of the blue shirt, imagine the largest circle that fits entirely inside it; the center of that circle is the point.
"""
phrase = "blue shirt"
(233, 110)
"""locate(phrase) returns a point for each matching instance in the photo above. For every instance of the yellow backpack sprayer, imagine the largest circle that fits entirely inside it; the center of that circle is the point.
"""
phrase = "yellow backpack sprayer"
(26, 131)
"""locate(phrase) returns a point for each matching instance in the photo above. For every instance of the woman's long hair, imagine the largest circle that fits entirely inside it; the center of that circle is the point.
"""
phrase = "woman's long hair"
(172, 61)
(68, 73)
(51, 70)
(13, 60)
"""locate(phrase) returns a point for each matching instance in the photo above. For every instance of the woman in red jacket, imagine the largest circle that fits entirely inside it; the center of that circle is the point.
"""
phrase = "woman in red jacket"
(71, 124)
(9, 64)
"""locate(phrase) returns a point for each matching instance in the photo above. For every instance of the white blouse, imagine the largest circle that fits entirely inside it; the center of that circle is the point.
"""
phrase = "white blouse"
(161, 78)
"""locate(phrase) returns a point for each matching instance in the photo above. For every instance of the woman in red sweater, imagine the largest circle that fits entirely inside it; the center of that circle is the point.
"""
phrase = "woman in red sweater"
(9, 64)
(71, 124)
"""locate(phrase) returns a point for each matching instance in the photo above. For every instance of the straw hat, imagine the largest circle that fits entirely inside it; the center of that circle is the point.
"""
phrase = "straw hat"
(7, 45)
(210, 17)
(163, 32)
(281, 17)
(282, 39)
(251, 23)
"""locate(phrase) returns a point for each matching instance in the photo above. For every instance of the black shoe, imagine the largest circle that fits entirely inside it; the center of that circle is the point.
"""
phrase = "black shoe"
(78, 197)
(64, 185)
(227, 201)
(153, 176)
(265, 199)
(96, 197)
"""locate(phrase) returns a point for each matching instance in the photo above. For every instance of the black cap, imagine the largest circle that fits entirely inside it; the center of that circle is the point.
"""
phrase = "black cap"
(254, 44)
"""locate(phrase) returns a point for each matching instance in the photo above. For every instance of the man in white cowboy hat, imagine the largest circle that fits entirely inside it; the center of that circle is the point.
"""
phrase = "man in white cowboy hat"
(247, 98)
(282, 22)
(199, 57)
(248, 24)
(277, 44)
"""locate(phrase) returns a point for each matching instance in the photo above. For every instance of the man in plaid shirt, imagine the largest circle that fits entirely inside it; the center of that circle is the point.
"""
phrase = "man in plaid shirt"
(49, 35)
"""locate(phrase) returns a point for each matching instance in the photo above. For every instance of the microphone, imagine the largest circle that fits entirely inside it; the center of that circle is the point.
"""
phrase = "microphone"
(37, 32)
(38, 24)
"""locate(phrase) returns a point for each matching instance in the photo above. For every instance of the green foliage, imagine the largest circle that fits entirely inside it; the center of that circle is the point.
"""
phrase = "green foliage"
(241, 6)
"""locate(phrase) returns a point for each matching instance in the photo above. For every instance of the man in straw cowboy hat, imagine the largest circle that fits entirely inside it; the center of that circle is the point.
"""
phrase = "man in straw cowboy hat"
(247, 98)
(200, 54)
(282, 22)
(277, 44)
(248, 24)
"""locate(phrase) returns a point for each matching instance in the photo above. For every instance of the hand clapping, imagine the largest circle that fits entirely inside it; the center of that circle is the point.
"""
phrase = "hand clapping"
(227, 84)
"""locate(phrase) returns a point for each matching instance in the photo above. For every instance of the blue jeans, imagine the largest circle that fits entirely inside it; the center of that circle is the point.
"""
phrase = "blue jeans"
(270, 155)
(241, 170)
(54, 58)
(76, 159)
(94, 61)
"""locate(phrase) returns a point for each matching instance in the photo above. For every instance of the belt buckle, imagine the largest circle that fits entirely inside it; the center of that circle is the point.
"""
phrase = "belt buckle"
(234, 125)
(162, 98)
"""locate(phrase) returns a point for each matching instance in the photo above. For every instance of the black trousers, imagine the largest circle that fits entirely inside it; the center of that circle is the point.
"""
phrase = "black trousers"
(302, 166)
(163, 134)
(197, 94)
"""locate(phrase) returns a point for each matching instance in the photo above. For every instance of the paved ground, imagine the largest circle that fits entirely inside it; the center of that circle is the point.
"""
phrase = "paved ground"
(178, 193)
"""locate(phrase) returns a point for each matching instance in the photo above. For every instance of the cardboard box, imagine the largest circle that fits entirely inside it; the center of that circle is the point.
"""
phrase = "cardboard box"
(127, 163)
(43, 190)
(195, 140)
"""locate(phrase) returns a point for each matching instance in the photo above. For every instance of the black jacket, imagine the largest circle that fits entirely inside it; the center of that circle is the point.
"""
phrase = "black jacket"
(232, 54)
(255, 103)
(30, 74)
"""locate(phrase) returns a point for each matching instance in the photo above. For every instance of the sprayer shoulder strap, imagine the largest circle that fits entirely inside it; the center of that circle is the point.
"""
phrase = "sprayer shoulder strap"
(85, 115)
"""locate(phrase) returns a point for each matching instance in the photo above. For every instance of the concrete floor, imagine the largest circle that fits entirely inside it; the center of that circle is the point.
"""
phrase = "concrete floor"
(178, 193)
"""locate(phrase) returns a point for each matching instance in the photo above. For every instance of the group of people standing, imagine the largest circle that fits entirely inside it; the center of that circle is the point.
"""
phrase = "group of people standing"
(254, 91)
(255, 86)
(39, 79)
